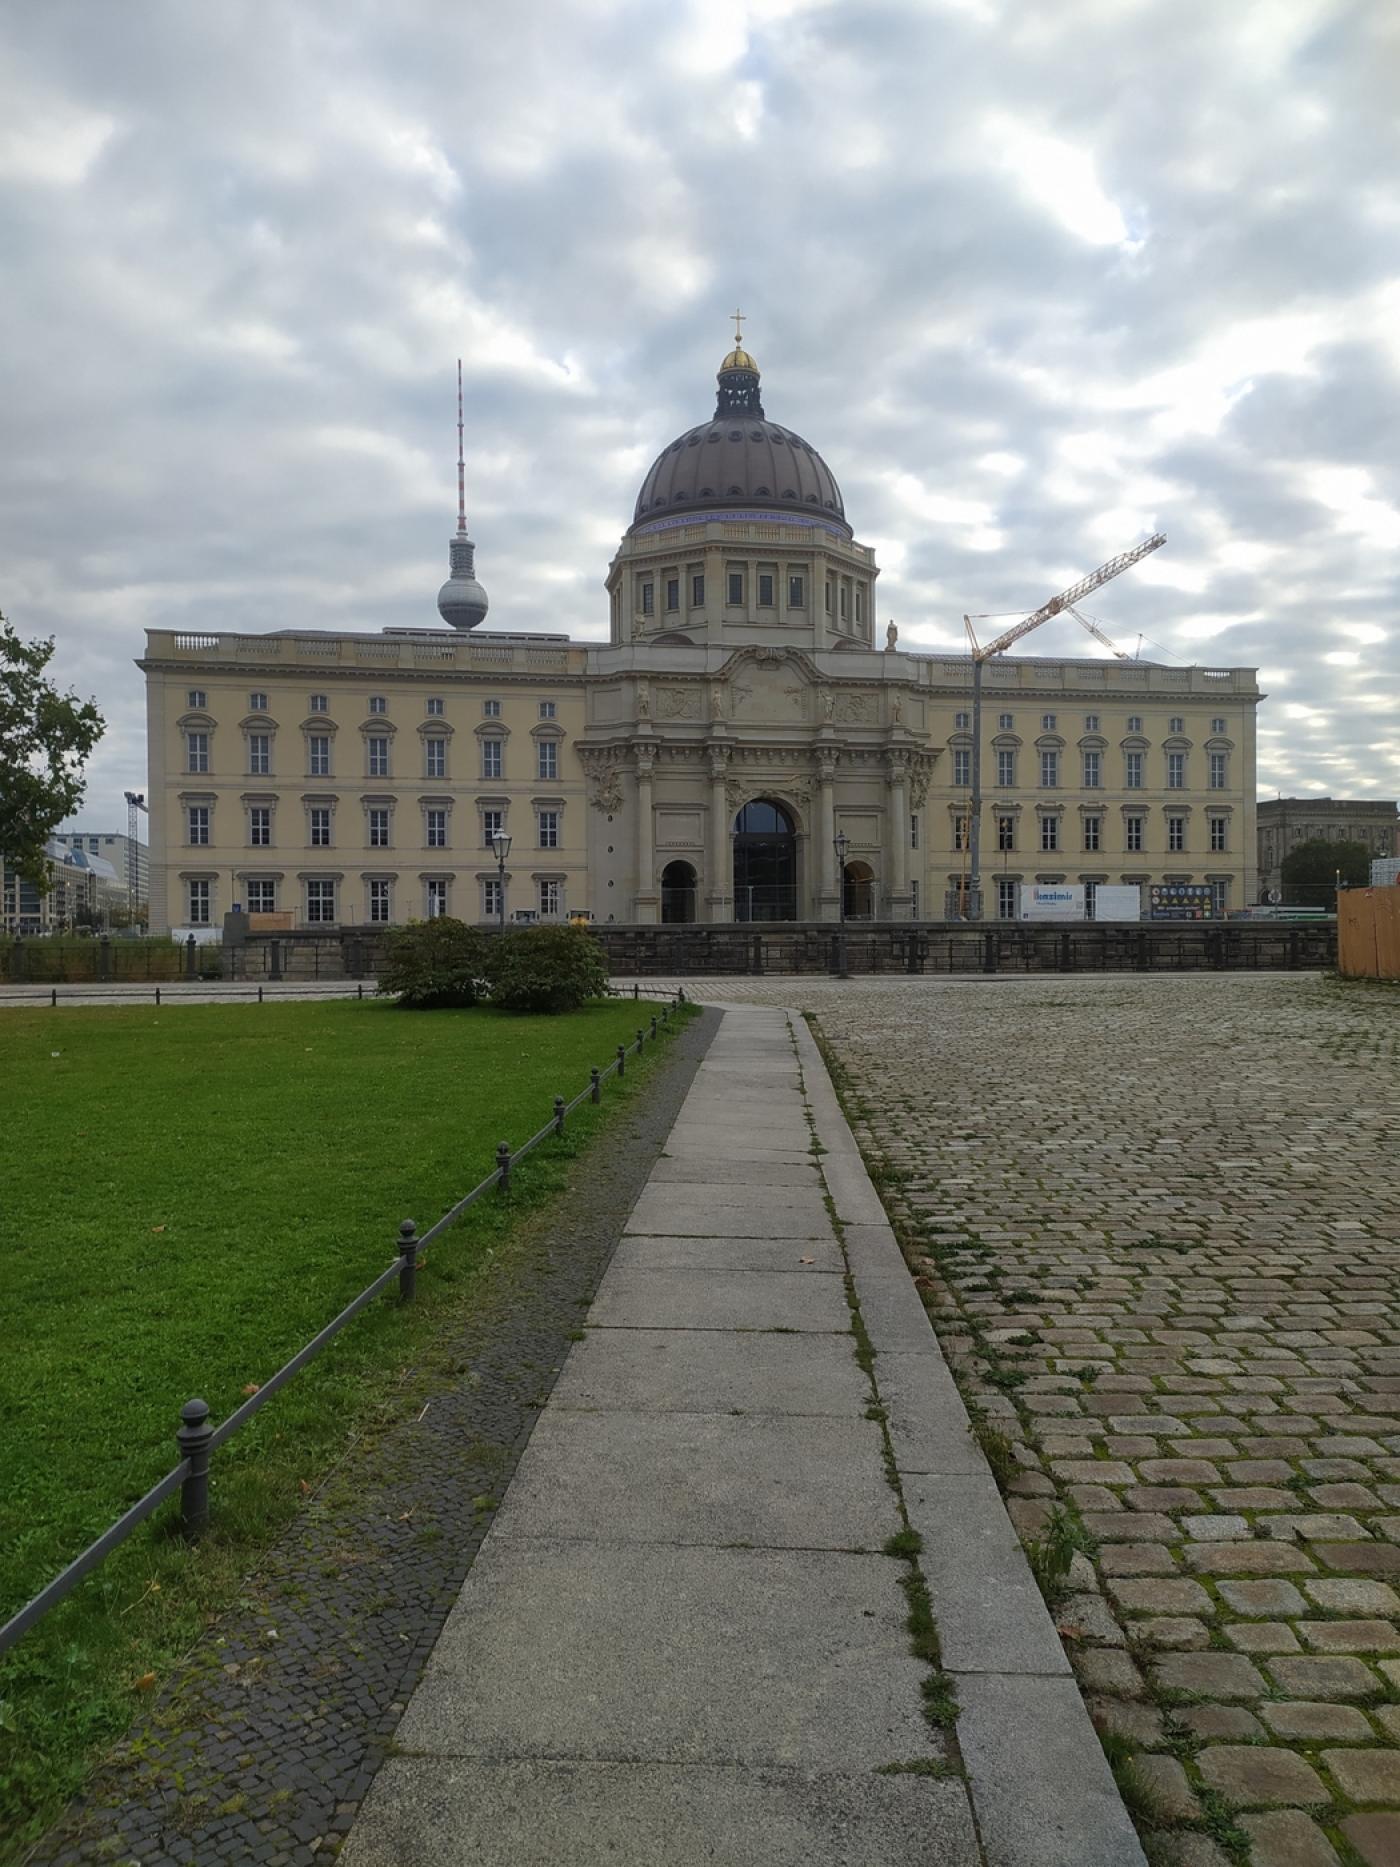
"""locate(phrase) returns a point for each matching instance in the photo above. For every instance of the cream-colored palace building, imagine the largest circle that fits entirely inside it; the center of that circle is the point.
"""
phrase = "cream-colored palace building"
(746, 712)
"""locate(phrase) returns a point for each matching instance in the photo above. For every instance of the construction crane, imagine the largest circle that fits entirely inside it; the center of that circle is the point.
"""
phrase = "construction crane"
(981, 656)
(135, 803)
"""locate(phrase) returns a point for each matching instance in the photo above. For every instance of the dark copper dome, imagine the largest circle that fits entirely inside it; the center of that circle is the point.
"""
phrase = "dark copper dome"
(739, 459)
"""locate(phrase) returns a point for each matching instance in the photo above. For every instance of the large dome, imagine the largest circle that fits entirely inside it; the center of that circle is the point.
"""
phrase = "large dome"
(740, 458)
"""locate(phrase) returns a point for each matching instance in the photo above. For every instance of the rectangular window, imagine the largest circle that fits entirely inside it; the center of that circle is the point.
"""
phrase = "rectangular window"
(1217, 835)
(319, 704)
(697, 591)
(1006, 899)
(829, 588)
(379, 829)
(492, 758)
(199, 904)
(673, 593)
(1134, 722)
(1092, 763)
(860, 602)
(490, 709)
(320, 902)
(1176, 771)
(549, 829)
(765, 589)
(1091, 892)
(196, 751)
(196, 698)
(551, 894)
(1006, 767)
(1006, 832)
(843, 601)
(1005, 722)
(1091, 722)
(797, 592)
(260, 826)
(913, 900)
(548, 759)
(435, 708)
(257, 703)
(1093, 828)
(435, 758)
(437, 897)
(648, 598)
(1047, 722)
(1049, 833)
(435, 829)
(378, 757)
(1220, 897)
(262, 897)
(1132, 834)
(962, 721)
(1132, 770)
(960, 832)
(320, 821)
(491, 897)
(1049, 769)
(735, 584)
(318, 755)
(378, 704)
(548, 709)
(379, 903)
(198, 824)
(962, 765)
(492, 823)
(1176, 834)
(259, 755)
(1176, 724)
(1217, 726)
(1219, 771)
(914, 829)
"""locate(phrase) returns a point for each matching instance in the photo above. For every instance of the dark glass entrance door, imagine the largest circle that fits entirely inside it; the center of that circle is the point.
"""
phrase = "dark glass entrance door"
(765, 863)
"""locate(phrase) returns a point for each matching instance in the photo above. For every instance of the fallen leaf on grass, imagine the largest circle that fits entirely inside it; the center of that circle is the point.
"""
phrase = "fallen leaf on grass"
(157, 1228)
(253, 1387)
(303, 1486)
(144, 1683)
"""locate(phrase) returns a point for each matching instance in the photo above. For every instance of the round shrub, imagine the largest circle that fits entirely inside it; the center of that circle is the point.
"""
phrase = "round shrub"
(545, 969)
(433, 964)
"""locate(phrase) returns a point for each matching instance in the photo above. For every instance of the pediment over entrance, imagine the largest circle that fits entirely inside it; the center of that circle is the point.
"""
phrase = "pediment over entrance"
(771, 686)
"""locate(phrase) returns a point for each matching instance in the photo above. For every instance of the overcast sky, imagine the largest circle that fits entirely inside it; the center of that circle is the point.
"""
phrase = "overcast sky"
(1036, 279)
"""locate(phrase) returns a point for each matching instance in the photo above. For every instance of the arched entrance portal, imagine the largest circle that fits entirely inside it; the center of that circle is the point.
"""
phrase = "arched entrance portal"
(765, 863)
(678, 892)
(859, 883)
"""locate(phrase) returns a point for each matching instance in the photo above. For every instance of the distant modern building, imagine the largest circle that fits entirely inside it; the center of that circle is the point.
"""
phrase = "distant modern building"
(750, 744)
(1285, 822)
(70, 900)
(115, 847)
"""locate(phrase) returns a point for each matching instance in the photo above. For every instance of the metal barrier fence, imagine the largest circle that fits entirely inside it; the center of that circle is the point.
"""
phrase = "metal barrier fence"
(198, 1440)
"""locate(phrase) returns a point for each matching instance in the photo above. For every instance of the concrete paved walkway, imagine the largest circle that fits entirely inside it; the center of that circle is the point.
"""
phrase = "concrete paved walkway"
(681, 1641)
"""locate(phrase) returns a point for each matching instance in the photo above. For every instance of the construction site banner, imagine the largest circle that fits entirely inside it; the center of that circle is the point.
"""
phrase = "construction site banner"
(1181, 901)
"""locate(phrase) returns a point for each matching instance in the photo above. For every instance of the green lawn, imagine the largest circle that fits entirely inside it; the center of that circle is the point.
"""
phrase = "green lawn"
(186, 1196)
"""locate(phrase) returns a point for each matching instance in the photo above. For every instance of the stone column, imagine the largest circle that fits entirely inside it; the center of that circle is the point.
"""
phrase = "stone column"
(718, 880)
(646, 882)
(898, 855)
(828, 893)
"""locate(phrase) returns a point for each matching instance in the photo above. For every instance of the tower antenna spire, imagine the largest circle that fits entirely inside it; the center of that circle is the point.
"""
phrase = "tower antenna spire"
(461, 463)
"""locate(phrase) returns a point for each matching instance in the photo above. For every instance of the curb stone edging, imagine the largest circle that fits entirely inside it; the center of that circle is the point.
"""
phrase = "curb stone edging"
(1036, 1772)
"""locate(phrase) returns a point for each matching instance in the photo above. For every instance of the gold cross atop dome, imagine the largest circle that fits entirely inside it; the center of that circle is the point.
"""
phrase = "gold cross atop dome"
(739, 358)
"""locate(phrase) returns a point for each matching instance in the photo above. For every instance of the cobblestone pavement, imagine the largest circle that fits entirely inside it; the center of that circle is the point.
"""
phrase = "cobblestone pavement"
(262, 1746)
(1156, 1224)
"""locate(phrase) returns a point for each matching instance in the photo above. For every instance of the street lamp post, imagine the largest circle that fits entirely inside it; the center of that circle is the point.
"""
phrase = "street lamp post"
(500, 843)
(841, 843)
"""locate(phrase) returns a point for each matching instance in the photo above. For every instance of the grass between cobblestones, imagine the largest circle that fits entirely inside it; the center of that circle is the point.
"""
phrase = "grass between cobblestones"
(190, 1194)
(1169, 1298)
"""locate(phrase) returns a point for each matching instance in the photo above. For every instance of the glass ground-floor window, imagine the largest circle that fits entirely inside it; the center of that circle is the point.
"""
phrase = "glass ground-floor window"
(765, 863)
(1006, 899)
(262, 897)
(320, 902)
